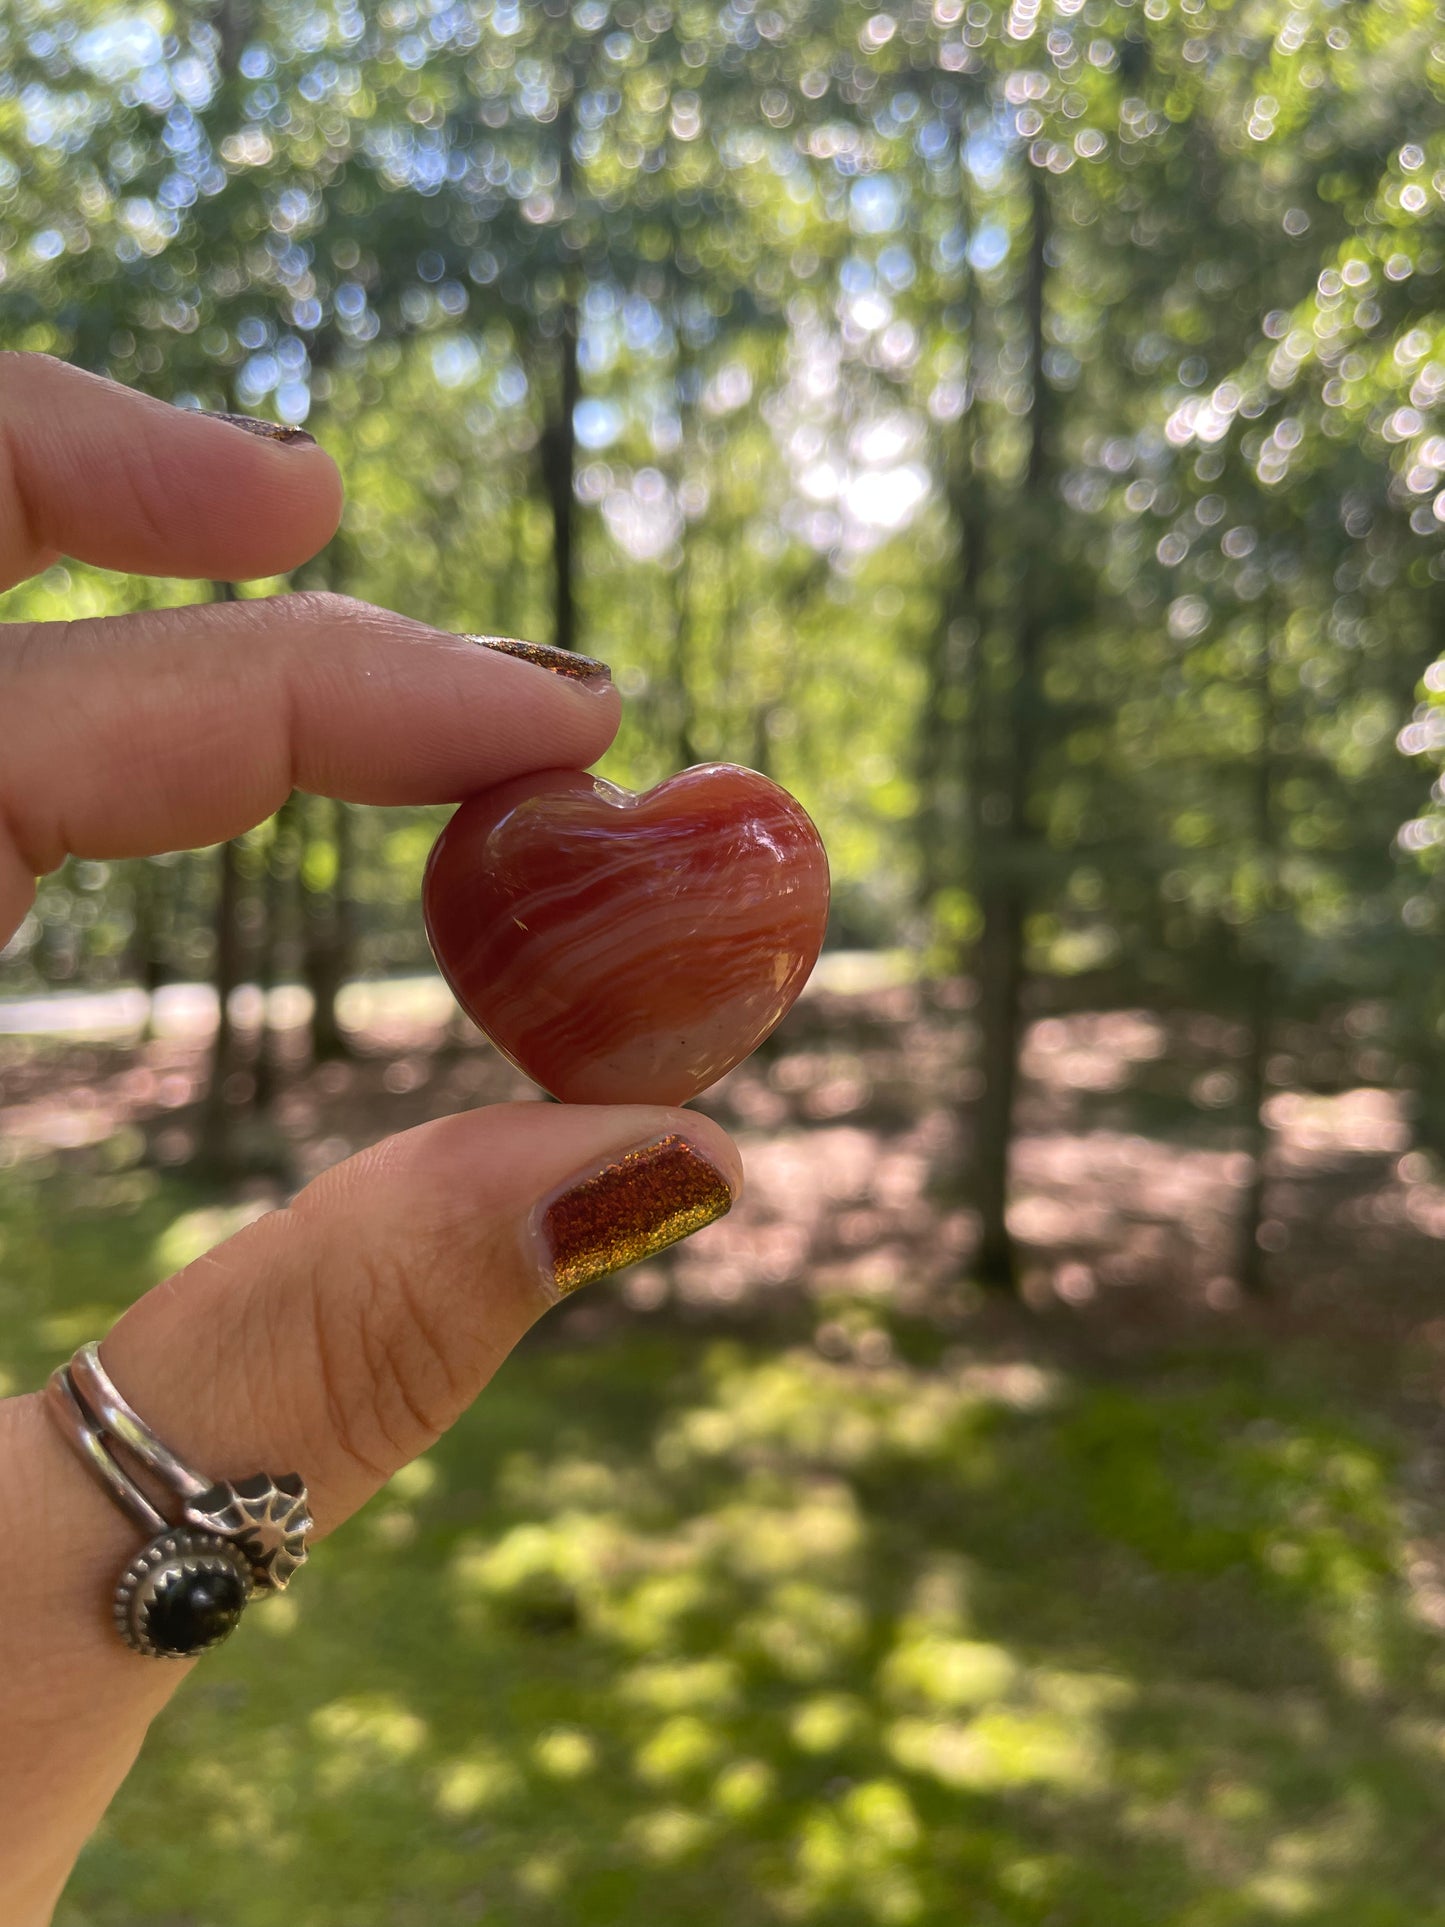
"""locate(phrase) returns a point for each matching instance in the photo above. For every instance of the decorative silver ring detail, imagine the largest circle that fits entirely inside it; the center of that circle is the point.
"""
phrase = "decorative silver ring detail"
(217, 1543)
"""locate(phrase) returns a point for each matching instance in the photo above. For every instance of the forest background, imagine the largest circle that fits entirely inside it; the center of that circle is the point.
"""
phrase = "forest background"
(1019, 432)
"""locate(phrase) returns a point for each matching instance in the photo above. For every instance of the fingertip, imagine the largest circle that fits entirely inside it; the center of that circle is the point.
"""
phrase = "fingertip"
(713, 1142)
(599, 714)
(534, 667)
(583, 714)
(124, 480)
(272, 494)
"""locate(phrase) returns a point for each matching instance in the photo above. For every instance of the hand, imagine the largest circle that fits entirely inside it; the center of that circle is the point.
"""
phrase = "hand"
(340, 1336)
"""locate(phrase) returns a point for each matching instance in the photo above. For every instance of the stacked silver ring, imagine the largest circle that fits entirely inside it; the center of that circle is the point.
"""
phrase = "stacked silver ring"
(226, 1541)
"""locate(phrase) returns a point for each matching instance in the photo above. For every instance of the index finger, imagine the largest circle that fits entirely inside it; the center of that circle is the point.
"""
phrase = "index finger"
(166, 730)
(110, 476)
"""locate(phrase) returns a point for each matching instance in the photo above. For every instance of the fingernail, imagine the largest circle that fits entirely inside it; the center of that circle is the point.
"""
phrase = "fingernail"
(631, 1207)
(286, 433)
(562, 662)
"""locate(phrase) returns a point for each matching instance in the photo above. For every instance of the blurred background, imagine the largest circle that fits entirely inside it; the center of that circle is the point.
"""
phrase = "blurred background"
(1017, 430)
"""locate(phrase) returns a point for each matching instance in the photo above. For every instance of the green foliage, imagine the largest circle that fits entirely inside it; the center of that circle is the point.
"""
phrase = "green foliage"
(925, 1641)
(795, 246)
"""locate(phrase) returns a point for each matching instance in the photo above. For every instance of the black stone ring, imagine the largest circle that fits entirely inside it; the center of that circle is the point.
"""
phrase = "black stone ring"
(186, 1588)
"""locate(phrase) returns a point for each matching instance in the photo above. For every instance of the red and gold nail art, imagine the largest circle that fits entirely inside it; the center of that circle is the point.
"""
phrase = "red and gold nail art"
(285, 434)
(561, 662)
(632, 1207)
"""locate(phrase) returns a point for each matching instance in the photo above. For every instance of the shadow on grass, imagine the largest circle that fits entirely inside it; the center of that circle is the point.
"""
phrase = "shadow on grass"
(671, 1629)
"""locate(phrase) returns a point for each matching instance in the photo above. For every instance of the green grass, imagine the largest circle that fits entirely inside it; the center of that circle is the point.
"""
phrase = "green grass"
(679, 1630)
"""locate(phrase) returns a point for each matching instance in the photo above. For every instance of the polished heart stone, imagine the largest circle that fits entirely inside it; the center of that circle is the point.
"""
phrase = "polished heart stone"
(622, 948)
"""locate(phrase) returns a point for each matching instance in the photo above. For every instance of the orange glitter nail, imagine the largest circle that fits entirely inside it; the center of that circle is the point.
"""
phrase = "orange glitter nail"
(634, 1206)
(542, 655)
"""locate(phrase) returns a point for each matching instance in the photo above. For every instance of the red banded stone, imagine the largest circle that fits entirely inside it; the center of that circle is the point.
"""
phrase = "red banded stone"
(624, 948)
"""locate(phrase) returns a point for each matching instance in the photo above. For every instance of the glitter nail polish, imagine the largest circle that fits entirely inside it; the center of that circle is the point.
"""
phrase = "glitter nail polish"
(284, 433)
(635, 1205)
(562, 662)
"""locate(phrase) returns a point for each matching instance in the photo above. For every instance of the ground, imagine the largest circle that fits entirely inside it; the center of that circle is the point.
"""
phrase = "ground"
(793, 1581)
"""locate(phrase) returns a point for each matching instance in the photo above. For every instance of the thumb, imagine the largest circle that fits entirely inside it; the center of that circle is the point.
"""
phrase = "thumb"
(341, 1336)
(337, 1338)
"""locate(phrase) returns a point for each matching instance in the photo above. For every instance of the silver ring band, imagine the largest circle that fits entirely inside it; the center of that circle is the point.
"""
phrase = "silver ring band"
(120, 1421)
(85, 1435)
(186, 1588)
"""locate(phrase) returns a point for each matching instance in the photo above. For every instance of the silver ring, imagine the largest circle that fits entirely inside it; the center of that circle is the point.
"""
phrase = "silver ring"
(218, 1542)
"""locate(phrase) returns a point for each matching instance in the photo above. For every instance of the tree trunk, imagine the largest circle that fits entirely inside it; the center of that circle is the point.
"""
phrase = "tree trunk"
(1007, 853)
(953, 741)
(151, 892)
(328, 941)
(1250, 1259)
(559, 435)
(277, 894)
(561, 488)
(761, 758)
(512, 598)
(216, 1140)
(731, 626)
(684, 748)
(1430, 1095)
(931, 766)
(233, 21)
(217, 1117)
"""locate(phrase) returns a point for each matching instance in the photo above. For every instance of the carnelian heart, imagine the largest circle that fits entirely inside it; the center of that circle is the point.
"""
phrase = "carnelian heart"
(621, 948)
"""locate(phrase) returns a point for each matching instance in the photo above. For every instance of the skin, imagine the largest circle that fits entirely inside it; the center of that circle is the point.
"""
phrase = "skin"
(341, 1335)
